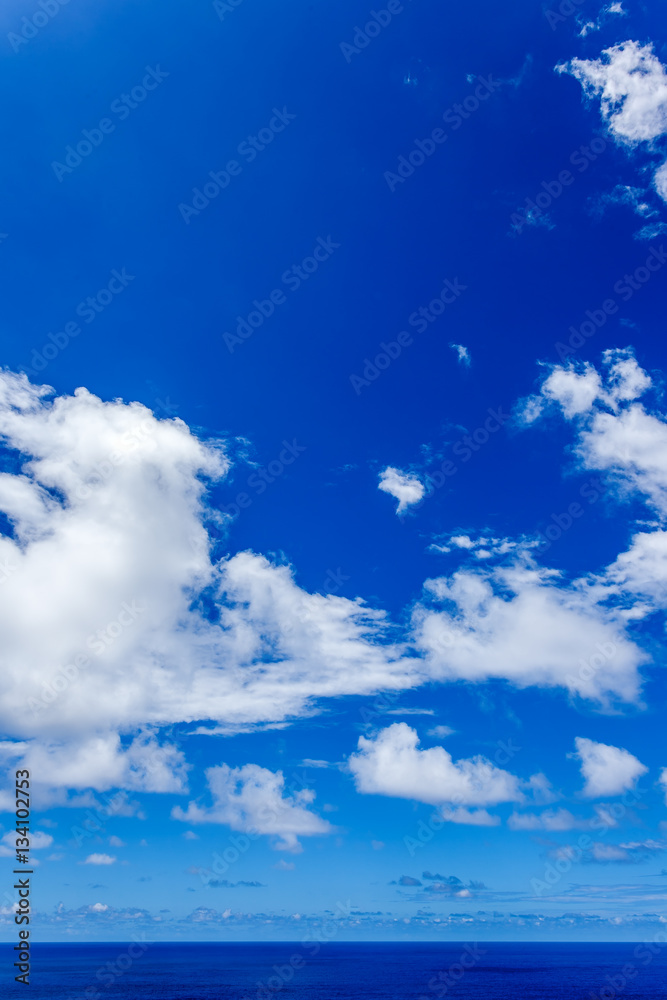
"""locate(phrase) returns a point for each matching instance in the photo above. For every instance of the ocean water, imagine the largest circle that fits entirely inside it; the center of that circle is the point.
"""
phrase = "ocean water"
(340, 971)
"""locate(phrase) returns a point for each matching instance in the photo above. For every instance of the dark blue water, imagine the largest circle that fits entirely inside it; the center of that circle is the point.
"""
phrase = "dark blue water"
(279, 971)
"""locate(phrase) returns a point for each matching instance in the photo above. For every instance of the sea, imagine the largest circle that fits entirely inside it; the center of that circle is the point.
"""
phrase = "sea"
(340, 971)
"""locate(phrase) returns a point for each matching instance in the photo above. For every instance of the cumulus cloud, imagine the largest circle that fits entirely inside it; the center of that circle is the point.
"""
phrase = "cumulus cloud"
(405, 487)
(391, 763)
(631, 83)
(642, 569)
(517, 623)
(119, 620)
(620, 436)
(100, 763)
(99, 859)
(251, 799)
(607, 770)
(118, 617)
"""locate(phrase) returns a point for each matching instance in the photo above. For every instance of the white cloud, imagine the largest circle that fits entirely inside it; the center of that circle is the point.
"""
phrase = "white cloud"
(482, 547)
(469, 817)
(100, 763)
(663, 781)
(284, 866)
(608, 852)
(642, 569)
(631, 83)
(613, 8)
(390, 763)
(99, 859)
(618, 435)
(660, 181)
(550, 819)
(518, 624)
(625, 194)
(462, 541)
(251, 799)
(116, 842)
(556, 820)
(462, 353)
(110, 513)
(441, 732)
(38, 841)
(410, 711)
(602, 853)
(607, 770)
(405, 487)
(574, 390)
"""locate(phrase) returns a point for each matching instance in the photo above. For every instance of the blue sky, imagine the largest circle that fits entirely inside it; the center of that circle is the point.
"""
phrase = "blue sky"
(348, 485)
